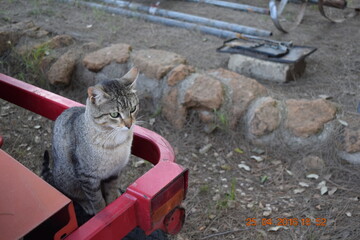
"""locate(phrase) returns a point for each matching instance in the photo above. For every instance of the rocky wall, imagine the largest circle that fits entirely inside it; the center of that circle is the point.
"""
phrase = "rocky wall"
(219, 97)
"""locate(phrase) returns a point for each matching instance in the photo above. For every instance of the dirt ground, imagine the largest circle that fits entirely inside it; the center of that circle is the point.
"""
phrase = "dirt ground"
(223, 201)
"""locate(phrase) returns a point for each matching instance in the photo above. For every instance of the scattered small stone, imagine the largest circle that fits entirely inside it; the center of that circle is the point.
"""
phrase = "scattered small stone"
(250, 205)
(205, 148)
(37, 139)
(313, 163)
(267, 213)
(214, 229)
(355, 199)
(299, 190)
(28, 148)
(216, 197)
(152, 121)
(348, 214)
(37, 126)
(212, 216)
(229, 155)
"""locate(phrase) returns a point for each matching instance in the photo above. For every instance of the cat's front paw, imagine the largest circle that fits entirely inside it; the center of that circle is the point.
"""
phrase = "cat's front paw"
(93, 208)
(111, 196)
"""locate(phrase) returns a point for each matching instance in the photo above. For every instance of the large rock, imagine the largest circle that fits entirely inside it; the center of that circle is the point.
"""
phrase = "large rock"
(61, 71)
(307, 117)
(350, 137)
(156, 63)
(59, 41)
(266, 70)
(10, 34)
(119, 53)
(265, 117)
(204, 92)
(179, 73)
(352, 140)
(242, 90)
(173, 111)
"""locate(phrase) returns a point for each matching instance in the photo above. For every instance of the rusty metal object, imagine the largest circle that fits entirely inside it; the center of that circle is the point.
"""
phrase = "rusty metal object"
(340, 4)
(266, 49)
(276, 11)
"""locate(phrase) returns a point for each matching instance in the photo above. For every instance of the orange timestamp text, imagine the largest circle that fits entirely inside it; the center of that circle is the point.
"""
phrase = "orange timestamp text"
(321, 222)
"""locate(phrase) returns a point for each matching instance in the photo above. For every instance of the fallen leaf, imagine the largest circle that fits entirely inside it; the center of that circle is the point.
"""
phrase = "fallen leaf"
(139, 163)
(332, 191)
(312, 176)
(323, 188)
(258, 151)
(205, 148)
(275, 229)
(226, 167)
(303, 184)
(238, 150)
(342, 122)
(263, 178)
(257, 158)
(289, 172)
(244, 166)
(202, 228)
(299, 190)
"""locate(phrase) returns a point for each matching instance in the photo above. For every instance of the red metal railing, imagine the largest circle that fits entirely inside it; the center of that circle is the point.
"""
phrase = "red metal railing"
(151, 202)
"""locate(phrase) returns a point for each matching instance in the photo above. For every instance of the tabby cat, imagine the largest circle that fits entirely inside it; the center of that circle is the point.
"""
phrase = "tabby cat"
(91, 145)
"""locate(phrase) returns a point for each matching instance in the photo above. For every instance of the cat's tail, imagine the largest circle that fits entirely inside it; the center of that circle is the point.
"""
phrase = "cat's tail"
(46, 173)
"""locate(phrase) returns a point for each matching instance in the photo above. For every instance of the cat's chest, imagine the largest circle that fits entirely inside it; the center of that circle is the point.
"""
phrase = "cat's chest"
(108, 162)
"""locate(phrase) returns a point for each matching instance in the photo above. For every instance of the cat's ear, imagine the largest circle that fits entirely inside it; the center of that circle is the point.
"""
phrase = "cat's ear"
(97, 95)
(130, 77)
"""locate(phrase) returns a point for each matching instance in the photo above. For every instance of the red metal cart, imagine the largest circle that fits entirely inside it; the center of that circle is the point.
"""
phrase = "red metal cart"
(30, 207)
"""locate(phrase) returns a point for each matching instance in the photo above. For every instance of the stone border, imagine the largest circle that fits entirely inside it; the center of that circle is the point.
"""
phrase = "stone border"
(218, 97)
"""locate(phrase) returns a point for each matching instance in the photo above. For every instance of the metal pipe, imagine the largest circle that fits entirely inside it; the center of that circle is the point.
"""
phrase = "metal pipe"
(236, 6)
(191, 18)
(166, 21)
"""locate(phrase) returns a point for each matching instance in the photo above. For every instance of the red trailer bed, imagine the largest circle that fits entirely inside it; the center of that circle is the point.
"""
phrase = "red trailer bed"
(152, 202)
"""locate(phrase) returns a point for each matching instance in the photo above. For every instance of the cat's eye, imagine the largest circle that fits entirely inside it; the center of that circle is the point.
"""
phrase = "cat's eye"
(114, 114)
(133, 110)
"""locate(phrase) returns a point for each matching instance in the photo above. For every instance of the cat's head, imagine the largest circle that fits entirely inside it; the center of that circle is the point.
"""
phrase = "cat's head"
(114, 103)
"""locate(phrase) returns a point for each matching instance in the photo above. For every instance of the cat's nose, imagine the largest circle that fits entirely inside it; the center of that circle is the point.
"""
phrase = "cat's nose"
(128, 122)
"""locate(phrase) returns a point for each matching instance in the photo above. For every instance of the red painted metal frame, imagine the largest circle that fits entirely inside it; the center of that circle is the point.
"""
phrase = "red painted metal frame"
(136, 206)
